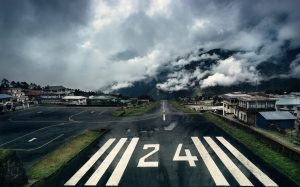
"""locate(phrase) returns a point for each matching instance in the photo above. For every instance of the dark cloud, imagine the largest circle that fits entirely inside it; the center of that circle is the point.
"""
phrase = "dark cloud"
(91, 44)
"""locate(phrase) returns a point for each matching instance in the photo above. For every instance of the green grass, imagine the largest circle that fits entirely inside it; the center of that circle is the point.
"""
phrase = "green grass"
(282, 163)
(179, 106)
(4, 153)
(57, 159)
(135, 111)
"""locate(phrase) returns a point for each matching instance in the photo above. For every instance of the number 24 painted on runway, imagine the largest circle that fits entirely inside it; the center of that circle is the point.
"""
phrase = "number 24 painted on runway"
(188, 156)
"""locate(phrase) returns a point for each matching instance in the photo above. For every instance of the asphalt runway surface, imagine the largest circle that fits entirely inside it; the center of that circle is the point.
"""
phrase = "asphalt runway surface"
(161, 148)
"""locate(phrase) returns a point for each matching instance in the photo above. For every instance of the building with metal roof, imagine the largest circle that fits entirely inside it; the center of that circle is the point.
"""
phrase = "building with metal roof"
(5, 102)
(276, 119)
(5, 96)
(230, 101)
(75, 100)
(287, 104)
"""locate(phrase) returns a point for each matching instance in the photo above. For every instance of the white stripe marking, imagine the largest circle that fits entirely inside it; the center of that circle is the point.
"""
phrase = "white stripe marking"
(233, 169)
(164, 117)
(93, 180)
(82, 171)
(210, 164)
(261, 176)
(120, 168)
(31, 139)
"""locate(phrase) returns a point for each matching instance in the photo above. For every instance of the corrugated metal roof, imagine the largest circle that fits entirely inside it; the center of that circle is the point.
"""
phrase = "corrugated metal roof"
(102, 97)
(288, 101)
(277, 115)
(234, 95)
(255, 98)
(5, 96)
(74, 97)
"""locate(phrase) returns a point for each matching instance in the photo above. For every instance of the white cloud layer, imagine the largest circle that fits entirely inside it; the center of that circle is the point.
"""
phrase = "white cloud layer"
(92, 44)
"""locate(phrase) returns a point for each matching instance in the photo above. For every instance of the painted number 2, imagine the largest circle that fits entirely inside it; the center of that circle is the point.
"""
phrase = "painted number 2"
(188, 157)
(142, 162)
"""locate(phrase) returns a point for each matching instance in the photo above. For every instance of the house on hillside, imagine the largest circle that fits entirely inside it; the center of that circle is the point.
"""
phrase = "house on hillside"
(74, 100)
(17, 94)
(249, 106)
(55, 94)
(33, 95)
(6, 103)
(230, 102)
(276, 119)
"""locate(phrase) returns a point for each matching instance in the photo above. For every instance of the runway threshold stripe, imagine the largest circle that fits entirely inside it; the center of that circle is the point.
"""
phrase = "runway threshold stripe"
(261, 176)
(120, 168)
(233, 169)
(82, 171)
(210, 164)
(94, 179)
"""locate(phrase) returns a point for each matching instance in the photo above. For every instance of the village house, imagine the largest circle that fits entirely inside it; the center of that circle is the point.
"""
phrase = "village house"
(287, 104)
(230, 102)
(249, 106)
(276, 120)
(54, 94)
(17, 94)
(6, 103)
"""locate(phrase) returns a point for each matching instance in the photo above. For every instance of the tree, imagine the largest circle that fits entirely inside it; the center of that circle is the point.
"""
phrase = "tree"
(13, 84)
(4, 83)
(24, 85)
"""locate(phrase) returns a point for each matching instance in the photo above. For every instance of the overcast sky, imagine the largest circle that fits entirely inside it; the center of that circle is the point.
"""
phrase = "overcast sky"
(90, 44)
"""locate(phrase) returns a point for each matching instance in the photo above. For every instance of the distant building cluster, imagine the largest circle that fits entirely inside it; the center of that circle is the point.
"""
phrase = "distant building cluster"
(12, 98)
(268, 111)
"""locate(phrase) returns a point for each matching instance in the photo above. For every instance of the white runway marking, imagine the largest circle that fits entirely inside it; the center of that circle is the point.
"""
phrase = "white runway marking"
(81, 172)
(93, 180)
(60, 124)
(100, 113)
(164, 117)
(120, 168)
(170, 127)
(31, 139)
(262, 177)
(70, 117)
(39, 147)
(233, 169)
(210, 164)
(188, 156)
(142, 163)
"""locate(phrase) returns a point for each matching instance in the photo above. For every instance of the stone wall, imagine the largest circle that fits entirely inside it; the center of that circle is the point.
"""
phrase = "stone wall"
(12, 172)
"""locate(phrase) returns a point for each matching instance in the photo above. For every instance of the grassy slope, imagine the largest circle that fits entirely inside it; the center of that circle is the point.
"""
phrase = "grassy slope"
(135, 111)
(279, 161)
(177, 105)
(53, 161)
(5, 153)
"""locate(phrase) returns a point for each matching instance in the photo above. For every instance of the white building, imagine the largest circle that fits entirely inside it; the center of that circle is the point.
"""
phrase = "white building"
(249, 106)
(74, 100)
(17, 94)
(55, 94)
(230, 101)
(5, 102)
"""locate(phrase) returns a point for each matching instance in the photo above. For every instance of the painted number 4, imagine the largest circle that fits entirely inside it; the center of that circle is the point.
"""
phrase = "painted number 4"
(188, 156)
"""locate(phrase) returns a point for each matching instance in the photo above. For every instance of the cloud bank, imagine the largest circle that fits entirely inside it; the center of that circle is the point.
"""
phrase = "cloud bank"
(92, 44)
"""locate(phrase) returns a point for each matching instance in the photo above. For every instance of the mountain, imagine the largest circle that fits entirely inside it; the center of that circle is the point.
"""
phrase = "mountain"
(186, 74)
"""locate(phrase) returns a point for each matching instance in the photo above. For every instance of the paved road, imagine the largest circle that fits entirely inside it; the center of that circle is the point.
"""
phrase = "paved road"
(162, 148)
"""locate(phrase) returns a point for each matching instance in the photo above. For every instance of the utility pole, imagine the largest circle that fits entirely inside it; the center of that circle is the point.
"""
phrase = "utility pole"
(255, 120)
